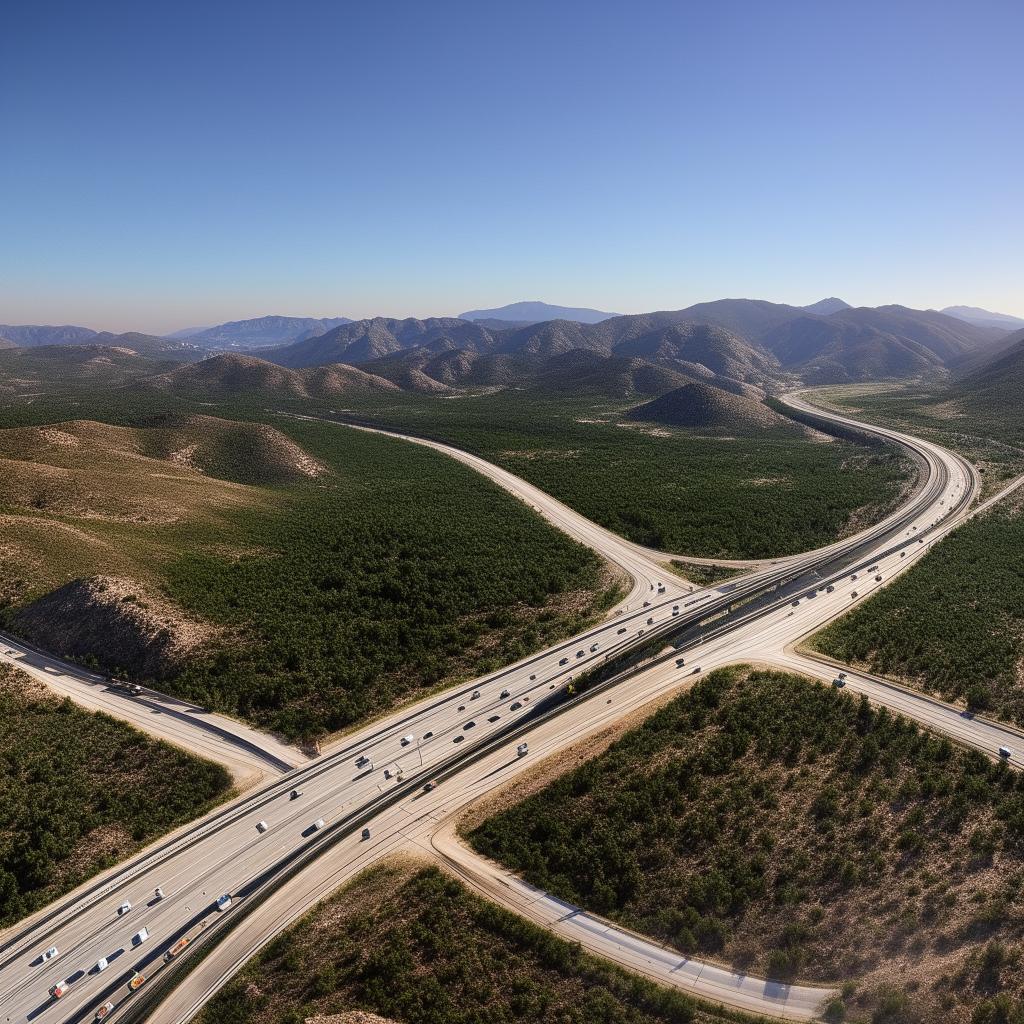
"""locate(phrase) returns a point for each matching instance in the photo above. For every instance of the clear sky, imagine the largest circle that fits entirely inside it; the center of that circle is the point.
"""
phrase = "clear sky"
(164, 165)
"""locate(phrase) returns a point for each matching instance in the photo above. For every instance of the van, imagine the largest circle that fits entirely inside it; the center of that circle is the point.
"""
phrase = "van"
(406, 740)
(140, 936)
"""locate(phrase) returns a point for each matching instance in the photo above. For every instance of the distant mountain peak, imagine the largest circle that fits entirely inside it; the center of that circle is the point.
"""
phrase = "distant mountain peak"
(984, 317)
(825, 307)
(527, 313)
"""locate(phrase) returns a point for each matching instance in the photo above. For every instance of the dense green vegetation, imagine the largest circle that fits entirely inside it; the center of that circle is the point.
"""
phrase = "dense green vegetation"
(705, 575)
(395, 571)
(954, 624)
(80, 791)
(417, 947)
(795, 832)
(668, 488)
(392, 569)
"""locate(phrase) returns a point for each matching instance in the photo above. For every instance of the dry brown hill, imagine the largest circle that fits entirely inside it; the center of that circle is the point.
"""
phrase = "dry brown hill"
(701, 406)
(234, 375)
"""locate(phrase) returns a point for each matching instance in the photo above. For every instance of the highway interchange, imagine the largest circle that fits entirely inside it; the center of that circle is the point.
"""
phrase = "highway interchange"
(466, 740)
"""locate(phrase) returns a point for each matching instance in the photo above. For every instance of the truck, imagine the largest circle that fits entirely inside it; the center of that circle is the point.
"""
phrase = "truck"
(136, 981)
(58, 990)
(104, 1011)
(177, 948)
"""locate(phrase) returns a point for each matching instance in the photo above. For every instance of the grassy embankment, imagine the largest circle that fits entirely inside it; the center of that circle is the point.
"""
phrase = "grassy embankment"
(793, 831)
(80, 791)
(417, 947)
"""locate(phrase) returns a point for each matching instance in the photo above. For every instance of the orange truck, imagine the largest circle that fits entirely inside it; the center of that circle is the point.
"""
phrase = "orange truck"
(176, 949)
(137, 981)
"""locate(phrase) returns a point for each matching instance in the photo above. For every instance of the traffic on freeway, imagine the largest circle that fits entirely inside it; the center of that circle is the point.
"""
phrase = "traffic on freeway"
(391, 783)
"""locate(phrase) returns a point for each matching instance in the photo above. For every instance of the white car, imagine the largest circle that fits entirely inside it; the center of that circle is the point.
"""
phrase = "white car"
(318, 824)
(140, 936)
(50, 953)
(224, 902)
(124, 908)
(101, 965)
(261, 826)
(406, 740)
(158, 893)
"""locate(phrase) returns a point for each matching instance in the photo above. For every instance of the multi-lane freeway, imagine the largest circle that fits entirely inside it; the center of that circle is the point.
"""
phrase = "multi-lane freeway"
(367, 795)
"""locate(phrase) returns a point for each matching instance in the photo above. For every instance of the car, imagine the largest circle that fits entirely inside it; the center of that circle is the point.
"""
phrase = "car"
(224, 902)
(494, 718)
(317, 825)
(50, 953)
(675, 611)
(140, 936)
(593, 647)
(621, 631)
(429, 787)
(462, 707)
(522, 750)
(680, 662)
(579, 654)
(696, 670)
(647, 604)
(639, 632)
(100, 966)
(650, 621)
(135, 690)
(506, 693)
(158, 893)
(475, 695)
(533, 676)
(515, 706)
(903, 554)
(295, 794)
(56, 991)
(796, 603)
(104, 1011)
(458, 739)
(406, 740)
(469, 725)
(387, 774)
(366, 834)
(1005, 752)
(362, 761)
(854, 576)
(124, 908)
(261, 826)
(853, 593)
(427, 735)
(878, 578)
(829, 589)
(839, 681)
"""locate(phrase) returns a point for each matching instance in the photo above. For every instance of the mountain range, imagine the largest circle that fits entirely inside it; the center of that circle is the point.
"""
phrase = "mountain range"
(741, 345)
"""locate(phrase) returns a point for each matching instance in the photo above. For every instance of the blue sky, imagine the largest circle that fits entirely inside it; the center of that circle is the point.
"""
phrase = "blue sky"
(164, 165)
